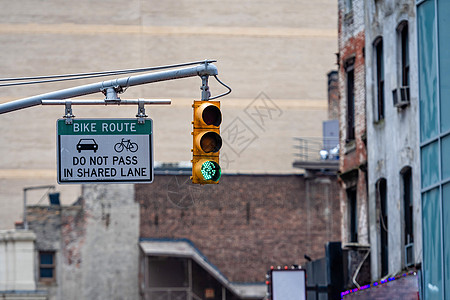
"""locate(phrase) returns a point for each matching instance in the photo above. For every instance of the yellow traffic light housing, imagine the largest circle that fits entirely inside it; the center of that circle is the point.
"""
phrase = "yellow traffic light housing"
(206, 142)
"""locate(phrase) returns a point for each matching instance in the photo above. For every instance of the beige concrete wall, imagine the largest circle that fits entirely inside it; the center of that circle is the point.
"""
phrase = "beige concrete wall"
(17, 260)
(283, 49)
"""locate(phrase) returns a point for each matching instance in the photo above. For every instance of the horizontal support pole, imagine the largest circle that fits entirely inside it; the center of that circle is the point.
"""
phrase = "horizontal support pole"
(200, 70)
(103, 102)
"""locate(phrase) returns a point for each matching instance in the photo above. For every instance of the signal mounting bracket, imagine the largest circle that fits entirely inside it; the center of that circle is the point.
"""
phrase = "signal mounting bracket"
(205, 88)
(141, 112)
(111, 93)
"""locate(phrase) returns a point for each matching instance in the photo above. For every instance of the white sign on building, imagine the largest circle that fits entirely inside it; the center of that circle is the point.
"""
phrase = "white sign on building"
(104, 151)
(289, 284)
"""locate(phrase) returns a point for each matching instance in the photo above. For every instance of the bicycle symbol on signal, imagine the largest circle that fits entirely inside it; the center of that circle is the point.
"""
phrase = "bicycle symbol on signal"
(125, 144)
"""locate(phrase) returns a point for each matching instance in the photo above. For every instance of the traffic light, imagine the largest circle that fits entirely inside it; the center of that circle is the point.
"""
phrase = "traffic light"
(206, 142)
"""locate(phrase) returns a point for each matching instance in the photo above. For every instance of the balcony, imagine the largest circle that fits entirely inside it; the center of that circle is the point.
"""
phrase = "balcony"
(317, 154)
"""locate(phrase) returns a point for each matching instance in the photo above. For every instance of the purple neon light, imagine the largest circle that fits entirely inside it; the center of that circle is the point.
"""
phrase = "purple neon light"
(367, 286)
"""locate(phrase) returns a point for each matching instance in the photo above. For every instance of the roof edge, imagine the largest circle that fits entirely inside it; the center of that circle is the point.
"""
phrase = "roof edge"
(240, 289)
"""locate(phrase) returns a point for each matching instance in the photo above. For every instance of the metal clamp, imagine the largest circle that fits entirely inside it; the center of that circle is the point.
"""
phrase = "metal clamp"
(111, 94)
(205, 88)
(68, 113)
(141, 112)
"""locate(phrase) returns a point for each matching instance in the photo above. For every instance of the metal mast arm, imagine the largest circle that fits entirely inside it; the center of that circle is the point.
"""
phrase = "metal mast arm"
(121, 83)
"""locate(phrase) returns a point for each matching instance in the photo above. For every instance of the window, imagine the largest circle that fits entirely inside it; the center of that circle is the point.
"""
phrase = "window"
(168, 272)
(402, 31)
(401, 95)
(408, 206)
(348, 6)
(379, 78)
(382, 224)
(353, 215)
(47, 266)
(349, 68)
(408, 221)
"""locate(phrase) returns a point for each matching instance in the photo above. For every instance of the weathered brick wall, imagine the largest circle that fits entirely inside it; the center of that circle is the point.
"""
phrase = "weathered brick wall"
(246, 223)
(45, 222)
(100, 236)
(60, 229)
(353, 157)
(54, 225)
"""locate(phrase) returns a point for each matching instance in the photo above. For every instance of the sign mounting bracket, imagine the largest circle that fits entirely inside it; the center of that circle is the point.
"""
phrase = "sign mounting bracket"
(140, 102)
(68, 113)
(141, 112)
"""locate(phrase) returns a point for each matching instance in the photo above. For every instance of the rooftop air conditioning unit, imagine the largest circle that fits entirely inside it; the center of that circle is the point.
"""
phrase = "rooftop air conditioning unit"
(401, 96)
(409, 255)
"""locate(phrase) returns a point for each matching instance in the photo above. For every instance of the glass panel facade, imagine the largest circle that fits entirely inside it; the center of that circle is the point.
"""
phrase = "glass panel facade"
(430, 164)
(433, 41)
(427, 70)
(445, 152)
(444, 62)
(432, 259)
(446, 229)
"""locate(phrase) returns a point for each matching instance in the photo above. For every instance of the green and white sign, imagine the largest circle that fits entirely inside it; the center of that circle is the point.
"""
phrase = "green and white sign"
(105, 151)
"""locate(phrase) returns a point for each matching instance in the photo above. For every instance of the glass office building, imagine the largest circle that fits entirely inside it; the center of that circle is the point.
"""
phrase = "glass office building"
(433, 25)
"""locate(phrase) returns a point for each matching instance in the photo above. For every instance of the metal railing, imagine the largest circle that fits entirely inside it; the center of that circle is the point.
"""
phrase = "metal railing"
(170, 294)
(317, 148)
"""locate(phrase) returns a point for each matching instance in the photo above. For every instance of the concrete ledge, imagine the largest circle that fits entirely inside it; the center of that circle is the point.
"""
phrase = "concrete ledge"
(23, 295)
(17, 235)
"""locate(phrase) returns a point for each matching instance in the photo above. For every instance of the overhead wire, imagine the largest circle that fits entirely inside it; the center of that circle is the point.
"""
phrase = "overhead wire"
(77, 76)
(224, 94)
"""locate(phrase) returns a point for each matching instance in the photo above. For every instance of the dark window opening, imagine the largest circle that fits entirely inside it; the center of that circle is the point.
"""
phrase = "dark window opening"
(383, 225)
(47, 266)
(353, 215)
(378, 47)
(350, 101)
(168, 272)
(408, 206)
(403, 32)
(401, 94)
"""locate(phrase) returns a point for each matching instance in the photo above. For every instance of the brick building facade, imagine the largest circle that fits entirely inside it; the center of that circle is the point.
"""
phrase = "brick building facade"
(88, 250)
(353, 153)
(248, 222)
(352, 122)
(378, 130)
(224, 236)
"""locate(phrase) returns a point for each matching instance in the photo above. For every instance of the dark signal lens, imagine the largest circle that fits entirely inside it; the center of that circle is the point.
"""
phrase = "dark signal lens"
(211, 142)
(212, 116)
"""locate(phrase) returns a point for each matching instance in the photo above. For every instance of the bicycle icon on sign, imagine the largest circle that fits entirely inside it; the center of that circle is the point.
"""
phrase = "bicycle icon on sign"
(126, 144)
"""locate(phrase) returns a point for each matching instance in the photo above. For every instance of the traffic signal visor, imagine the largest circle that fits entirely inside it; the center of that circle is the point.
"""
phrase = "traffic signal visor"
(207, 114)
(207, 142)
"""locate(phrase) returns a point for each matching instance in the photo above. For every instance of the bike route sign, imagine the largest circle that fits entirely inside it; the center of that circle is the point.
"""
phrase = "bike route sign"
(104, 151)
